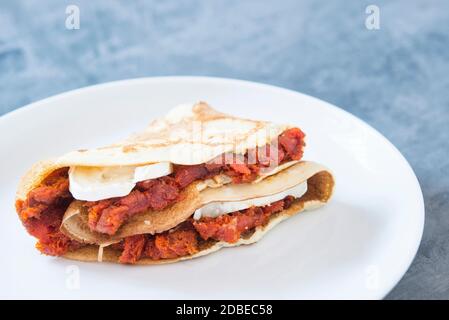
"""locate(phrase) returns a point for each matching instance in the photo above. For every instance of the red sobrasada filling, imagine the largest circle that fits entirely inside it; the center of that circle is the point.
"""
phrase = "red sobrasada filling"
(44, 207)
(42, 212)
(186, 239)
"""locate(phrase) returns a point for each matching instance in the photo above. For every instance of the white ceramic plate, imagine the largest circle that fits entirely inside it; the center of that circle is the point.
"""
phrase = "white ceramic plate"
(358, 246)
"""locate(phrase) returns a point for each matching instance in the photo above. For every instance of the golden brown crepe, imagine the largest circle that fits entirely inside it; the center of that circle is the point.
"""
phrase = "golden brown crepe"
(186, 136)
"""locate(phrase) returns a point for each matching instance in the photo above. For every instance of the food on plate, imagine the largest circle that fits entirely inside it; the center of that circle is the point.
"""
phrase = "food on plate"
(192, 182)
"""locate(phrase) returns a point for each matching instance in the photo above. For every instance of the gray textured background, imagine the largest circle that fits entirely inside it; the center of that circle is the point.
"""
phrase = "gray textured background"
(394, 78)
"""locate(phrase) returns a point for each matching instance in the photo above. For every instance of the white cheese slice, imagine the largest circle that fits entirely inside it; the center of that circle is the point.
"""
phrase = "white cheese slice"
(152, 171)
(216, 209)
(98, 183)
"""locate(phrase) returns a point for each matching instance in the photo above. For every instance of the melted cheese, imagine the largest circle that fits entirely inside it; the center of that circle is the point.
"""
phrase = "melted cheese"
(98, 183)
(216, 209)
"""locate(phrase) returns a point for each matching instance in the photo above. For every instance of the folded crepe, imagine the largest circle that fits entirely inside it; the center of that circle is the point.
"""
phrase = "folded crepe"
(192, 182)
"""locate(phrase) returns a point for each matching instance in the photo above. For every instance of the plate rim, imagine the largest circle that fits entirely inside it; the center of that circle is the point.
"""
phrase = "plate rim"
(405, 265)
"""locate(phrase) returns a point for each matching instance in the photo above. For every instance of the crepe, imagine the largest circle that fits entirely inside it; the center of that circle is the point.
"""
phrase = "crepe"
(321, 185)
(188, 136)
(152, 222)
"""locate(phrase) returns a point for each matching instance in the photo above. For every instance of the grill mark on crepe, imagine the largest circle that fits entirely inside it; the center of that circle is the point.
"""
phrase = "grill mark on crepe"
(134, 146)
(202, 113)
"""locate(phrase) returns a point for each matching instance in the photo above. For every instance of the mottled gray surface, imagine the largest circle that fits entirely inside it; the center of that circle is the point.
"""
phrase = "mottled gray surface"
(394, 78)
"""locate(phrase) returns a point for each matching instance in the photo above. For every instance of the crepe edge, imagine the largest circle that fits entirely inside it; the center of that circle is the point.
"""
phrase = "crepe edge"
(34, 176)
